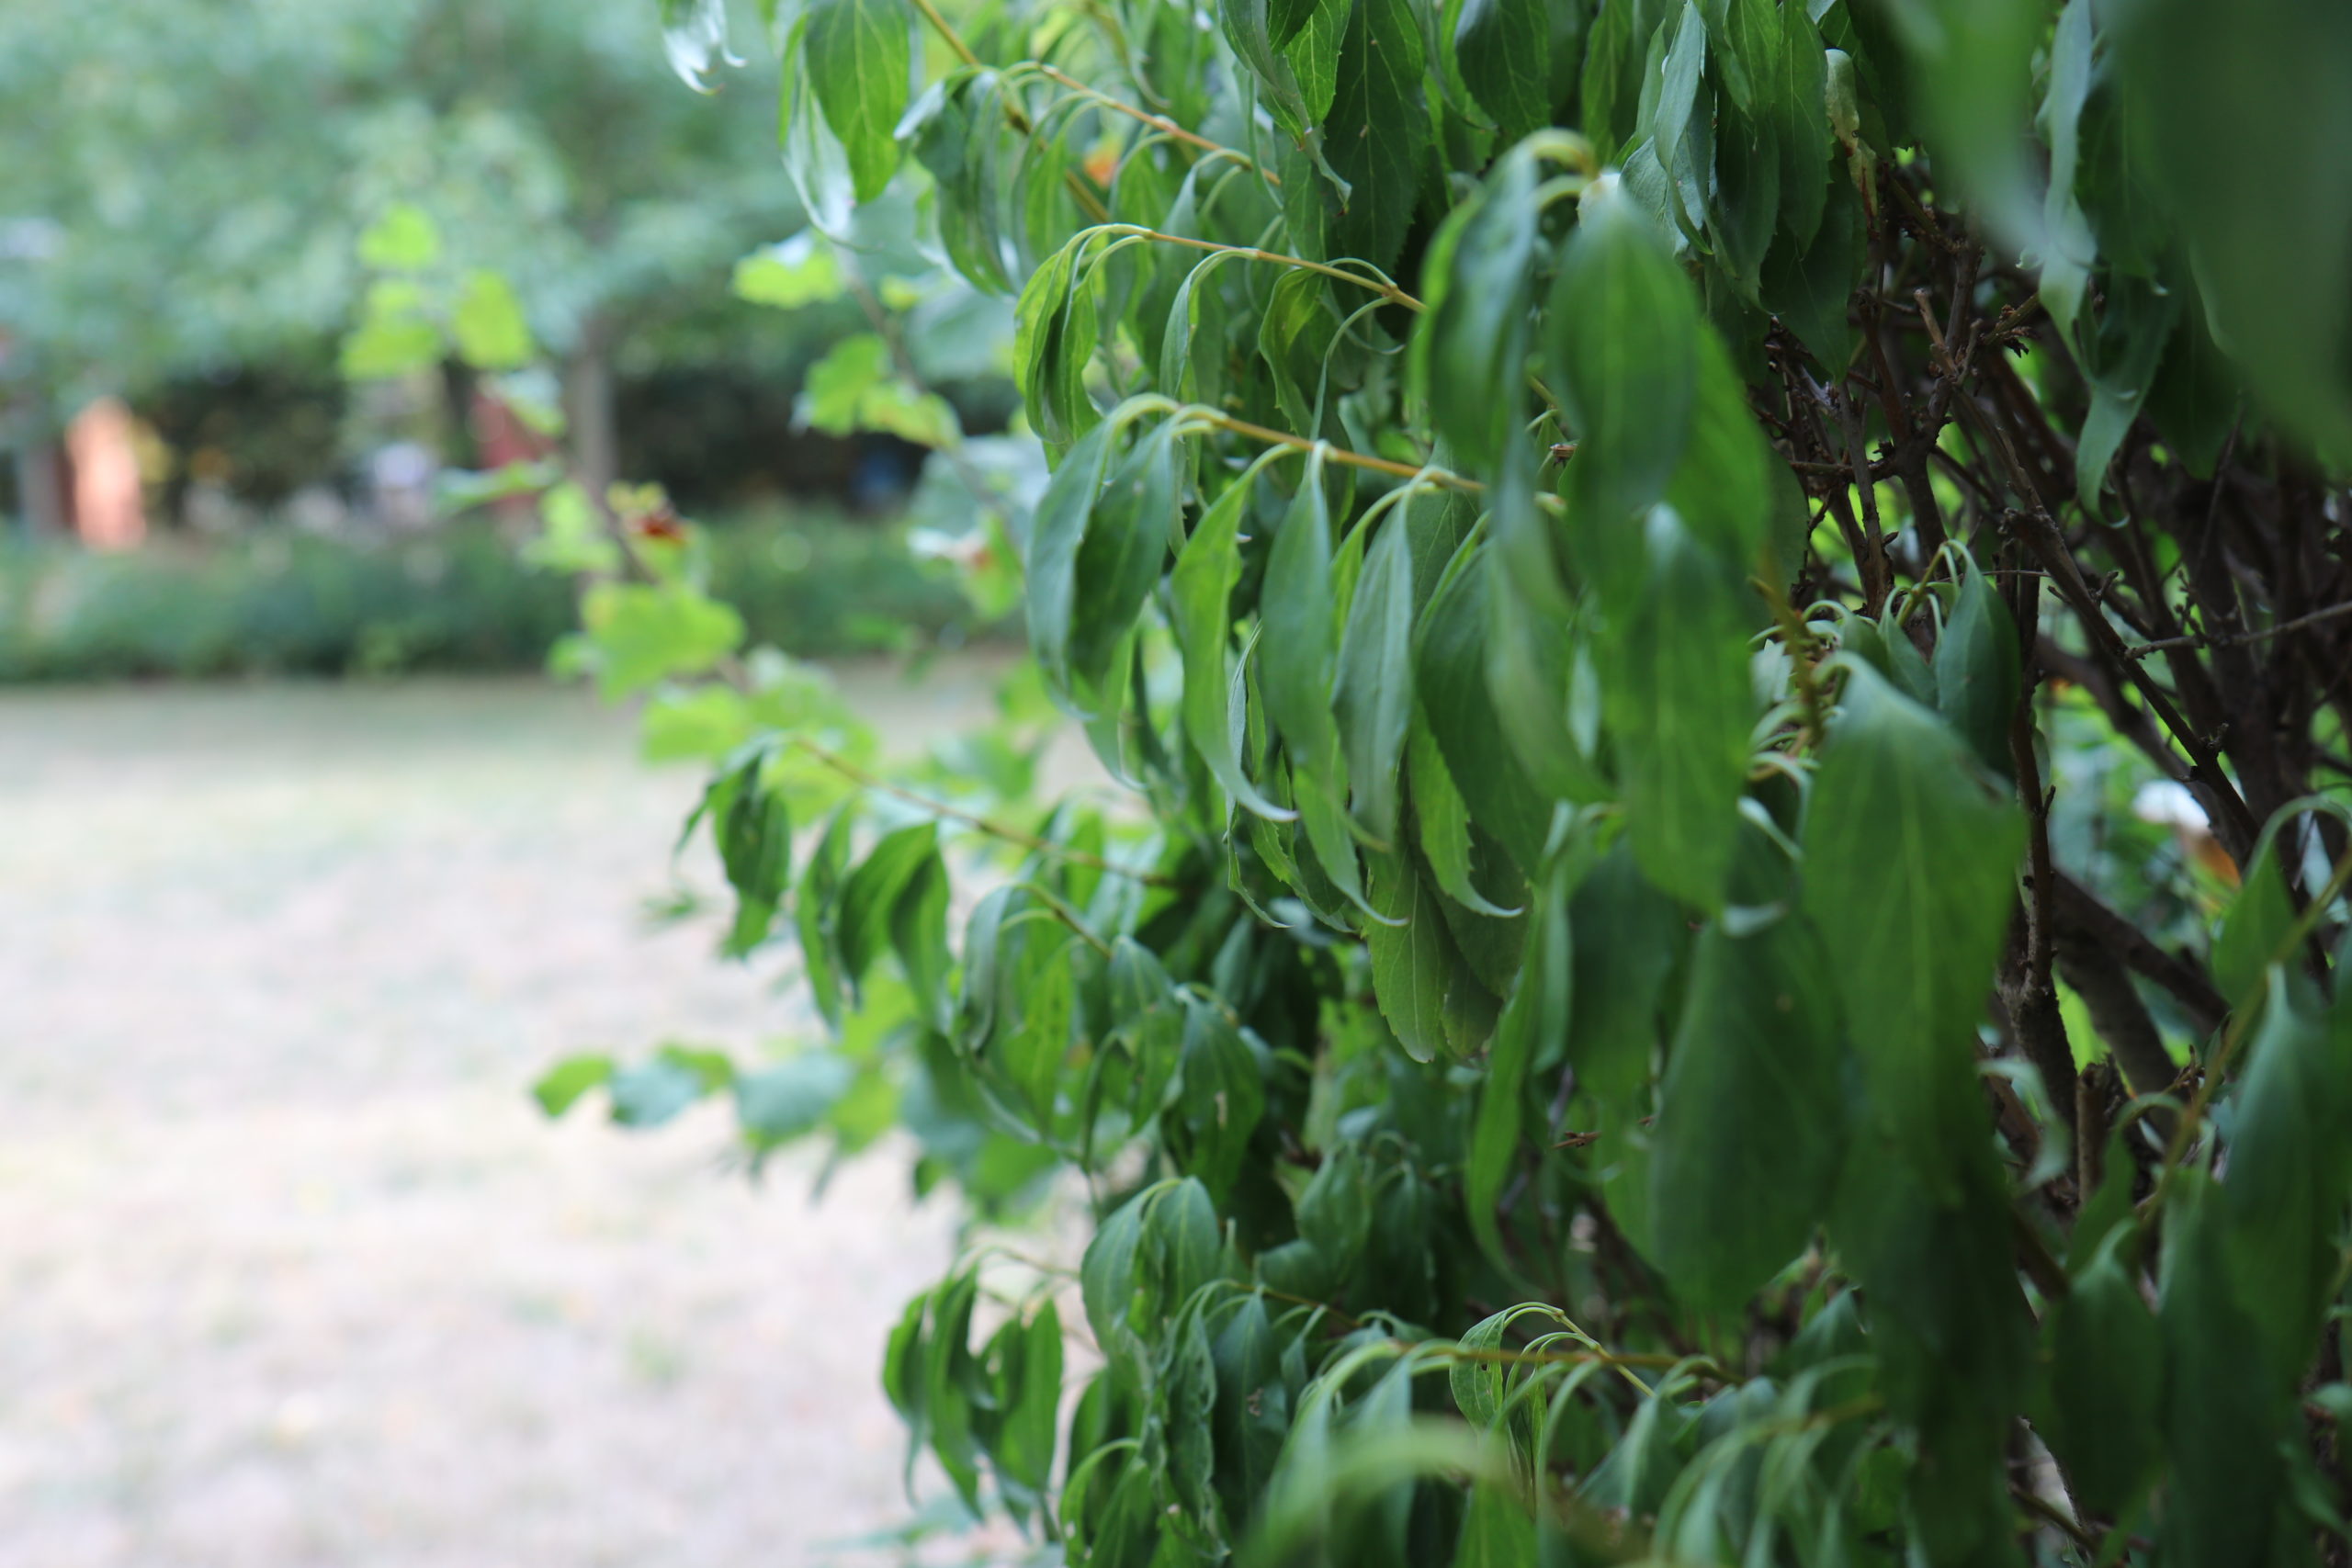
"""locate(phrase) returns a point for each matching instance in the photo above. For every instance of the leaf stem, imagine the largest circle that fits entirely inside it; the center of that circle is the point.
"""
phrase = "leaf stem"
(947, 30)
(1381, 287)
(989, 826)
(1334, 454)
(1160, 123)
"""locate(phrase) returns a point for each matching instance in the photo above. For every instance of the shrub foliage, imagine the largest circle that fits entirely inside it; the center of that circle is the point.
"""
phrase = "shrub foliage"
(1634, 556)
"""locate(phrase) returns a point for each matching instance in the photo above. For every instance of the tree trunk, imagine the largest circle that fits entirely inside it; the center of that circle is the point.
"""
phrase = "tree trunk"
(588, 392)
(41, 487)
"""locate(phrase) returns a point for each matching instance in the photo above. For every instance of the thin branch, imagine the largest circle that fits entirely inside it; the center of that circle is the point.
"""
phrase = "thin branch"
(2136, 651)
(1160, 123)
(994, 828)
(1333, 454)
(1381, 287)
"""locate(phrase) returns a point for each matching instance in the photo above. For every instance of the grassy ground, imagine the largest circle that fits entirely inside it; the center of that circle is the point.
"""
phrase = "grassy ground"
(290, 1270)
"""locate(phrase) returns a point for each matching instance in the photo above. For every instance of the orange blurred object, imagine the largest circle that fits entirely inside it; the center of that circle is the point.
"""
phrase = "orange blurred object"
(102, 442)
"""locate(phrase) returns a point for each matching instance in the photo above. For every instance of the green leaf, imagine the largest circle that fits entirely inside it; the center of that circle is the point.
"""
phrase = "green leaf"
(1621, 333)
(870, 897)
(2224, 1418)
(1537, 1014)
(1504, 49)
(1445, 821)
(640, 633)
(1450, 671)
(1417, 972)
(1810, 286)
(2106, 1382)
(2120, 363)
(402, 239)
(1797, 99)
(1218, 1099)
(1972, 77)
(1284, 18)
(1249, 28)
(2289, 1172)
(859, 63)
(833, 394)
(1252, 1405)
(1496, 1531)
(1629, 936)
(571, 537)
(1976, 670)
(560, 1087)
(918, 938)
(1055, 533)
(1054, 336)
(1373, 694)
(1677, 692)
(1299, 646)
(1378, 132)
(1910, 865)
(1529, 658)
(1295, 336)
(1120, 557)
(956, 132)
(790, 275)
(1610, 83)
(816, 914)
(654, 1092)
(1680, 118)
(1023, 1452)
(1748, 1140)
(694, 34)
(1313, 57)
(489, 325)
(2252, 935)
(793, 1097)
(2245, 125)
(752, 829)
(1470, 348)
(388, 345)
(1723, 487)
(1201, 586)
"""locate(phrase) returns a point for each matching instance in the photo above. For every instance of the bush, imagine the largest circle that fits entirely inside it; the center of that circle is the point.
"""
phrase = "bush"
(1626, 1025)
(278, 602)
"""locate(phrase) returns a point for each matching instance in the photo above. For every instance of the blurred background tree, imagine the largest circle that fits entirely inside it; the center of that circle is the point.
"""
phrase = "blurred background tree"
(183, 232)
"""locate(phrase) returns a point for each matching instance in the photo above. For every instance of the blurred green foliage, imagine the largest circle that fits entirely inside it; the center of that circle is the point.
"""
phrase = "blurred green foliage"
(278, 602)
(185, 180)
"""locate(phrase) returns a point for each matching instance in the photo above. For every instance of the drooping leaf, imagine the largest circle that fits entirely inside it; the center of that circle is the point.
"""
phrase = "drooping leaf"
(858, 61)
(1750, 1135)
(1910, 861)
(1678, 698)
(1504, 49)
(1377, 133)
(1620, 335)
(1300, 648)
(1373, 692)
(1976, 670)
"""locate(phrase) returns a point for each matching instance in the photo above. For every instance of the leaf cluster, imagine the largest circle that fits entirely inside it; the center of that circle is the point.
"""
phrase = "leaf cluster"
(1635, 557)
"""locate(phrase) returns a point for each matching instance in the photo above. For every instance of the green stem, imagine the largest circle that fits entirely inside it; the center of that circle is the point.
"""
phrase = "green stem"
(1334, 454)
(994, 828)
(1160, 123)
(1381, 287)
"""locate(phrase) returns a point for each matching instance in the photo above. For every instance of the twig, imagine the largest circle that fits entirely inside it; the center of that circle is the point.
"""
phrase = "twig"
(1160, 123)
(2136, 651)
(996, 830)
(1381, 287)
(1013, 116)
(1332, 453)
